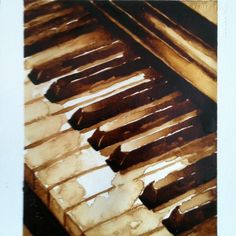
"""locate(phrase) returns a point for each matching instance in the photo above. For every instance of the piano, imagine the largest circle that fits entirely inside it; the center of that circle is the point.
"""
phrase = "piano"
(120, 117)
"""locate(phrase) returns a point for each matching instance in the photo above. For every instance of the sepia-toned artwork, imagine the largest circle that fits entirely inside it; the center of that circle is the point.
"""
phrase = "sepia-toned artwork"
(120, 118)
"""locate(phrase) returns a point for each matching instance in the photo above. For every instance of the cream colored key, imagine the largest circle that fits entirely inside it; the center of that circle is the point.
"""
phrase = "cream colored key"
(28, 92)
(75, 164)
(136, 221)
(44, 128)
(68, 167)
(35, 92)
(53, 149)
(106, 206)
(40, 109)
(133, 222)
(78, 189)
(49, 151)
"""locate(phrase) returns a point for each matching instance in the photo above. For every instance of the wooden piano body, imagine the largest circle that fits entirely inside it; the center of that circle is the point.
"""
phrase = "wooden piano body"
(120, 116)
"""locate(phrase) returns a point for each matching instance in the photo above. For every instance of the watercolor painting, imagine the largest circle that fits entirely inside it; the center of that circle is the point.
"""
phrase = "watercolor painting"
(120, 118)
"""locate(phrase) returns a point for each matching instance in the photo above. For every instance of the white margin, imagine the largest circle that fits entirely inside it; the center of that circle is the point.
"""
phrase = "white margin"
(11, 117)
(227, 118)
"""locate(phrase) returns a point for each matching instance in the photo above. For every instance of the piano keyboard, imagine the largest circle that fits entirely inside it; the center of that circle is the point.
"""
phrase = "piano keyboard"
(113, 144)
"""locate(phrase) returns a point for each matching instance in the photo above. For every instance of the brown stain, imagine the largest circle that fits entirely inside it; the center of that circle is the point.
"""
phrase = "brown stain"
(51, 118)
(185, 160)
(198, 200)
(209, 140)
(66, 63)
(72, 205)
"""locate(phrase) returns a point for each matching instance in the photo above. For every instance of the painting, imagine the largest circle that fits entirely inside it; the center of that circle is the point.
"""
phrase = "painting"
(120, 102)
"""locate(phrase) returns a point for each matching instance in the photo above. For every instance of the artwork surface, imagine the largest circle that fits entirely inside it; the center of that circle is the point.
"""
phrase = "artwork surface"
(120, 118)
